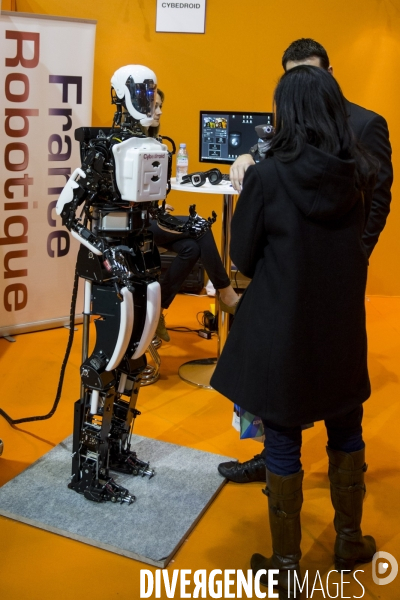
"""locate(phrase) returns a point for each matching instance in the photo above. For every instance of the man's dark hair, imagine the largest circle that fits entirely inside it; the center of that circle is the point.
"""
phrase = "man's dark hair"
(305, 48)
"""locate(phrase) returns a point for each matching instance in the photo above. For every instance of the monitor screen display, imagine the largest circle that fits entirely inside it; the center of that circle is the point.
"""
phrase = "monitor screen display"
(225, 135)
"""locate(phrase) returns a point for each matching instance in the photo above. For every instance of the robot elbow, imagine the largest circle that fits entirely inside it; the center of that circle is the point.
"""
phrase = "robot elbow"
(67, 195)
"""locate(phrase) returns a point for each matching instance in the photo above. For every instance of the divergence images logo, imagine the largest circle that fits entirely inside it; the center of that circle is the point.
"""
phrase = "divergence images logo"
(380, 565)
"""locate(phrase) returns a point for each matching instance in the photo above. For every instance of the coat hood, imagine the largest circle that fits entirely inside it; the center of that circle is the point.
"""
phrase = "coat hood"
(321, 185)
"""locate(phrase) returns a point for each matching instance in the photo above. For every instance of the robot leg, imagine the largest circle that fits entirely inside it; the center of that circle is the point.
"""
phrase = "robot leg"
(122, 459)
(93, 421)
(90, 475)
(147, 303)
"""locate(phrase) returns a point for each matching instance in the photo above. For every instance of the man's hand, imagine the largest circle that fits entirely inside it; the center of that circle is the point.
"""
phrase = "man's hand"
(238, 169)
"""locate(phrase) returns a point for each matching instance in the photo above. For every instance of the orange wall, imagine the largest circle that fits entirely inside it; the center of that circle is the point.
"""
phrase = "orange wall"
(235, 66)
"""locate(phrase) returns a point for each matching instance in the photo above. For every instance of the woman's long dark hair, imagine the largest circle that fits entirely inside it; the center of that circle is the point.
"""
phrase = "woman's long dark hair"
(310, 109)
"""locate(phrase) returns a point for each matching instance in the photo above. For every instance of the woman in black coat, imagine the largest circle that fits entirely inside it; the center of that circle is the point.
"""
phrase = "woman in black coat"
(297, 350)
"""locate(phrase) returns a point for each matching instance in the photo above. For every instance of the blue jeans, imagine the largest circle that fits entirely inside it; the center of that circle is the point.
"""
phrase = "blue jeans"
(283, 444)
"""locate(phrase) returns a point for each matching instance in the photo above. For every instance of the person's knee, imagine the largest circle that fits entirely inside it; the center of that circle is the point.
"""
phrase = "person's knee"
(190, 251)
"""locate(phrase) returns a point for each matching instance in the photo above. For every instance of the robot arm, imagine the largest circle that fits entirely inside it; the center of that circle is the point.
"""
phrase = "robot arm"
(82, 187)
(195, 226)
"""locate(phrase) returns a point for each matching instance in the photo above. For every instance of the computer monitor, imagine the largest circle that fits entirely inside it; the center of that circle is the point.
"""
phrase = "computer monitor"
(225, 135)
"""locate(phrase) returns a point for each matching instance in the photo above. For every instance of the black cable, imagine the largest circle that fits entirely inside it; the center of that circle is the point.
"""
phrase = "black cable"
(183, 329)
(201, 321)
(164, 137)
(63, 366)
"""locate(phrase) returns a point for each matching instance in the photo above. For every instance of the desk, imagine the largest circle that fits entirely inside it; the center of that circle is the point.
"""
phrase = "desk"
(199, 372)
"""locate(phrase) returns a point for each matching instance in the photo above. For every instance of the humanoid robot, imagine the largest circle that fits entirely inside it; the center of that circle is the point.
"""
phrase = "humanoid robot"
(106, 205)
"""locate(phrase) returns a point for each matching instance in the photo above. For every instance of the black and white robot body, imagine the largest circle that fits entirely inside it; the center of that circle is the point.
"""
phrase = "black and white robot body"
(106, 205)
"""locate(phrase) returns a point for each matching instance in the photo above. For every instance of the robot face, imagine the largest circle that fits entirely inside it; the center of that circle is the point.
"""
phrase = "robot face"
(142, 96)
(136, 86)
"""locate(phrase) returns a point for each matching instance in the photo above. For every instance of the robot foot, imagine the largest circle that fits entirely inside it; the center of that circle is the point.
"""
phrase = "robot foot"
(127, 462)
(102, 491)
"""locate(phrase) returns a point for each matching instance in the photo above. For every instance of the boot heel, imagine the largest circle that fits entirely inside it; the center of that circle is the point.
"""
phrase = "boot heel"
(343, 564)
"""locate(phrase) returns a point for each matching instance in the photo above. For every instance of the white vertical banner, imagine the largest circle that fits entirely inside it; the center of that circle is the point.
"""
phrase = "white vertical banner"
(181, 17)
(46, 72)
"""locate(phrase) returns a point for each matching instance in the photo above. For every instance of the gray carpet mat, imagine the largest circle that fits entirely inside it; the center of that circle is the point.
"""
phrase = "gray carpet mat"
(151, 529)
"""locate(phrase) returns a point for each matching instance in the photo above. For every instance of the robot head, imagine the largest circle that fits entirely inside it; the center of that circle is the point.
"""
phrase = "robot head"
(135, 88)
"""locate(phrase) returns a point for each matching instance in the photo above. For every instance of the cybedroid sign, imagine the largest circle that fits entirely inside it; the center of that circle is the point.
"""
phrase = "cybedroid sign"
(181, 17)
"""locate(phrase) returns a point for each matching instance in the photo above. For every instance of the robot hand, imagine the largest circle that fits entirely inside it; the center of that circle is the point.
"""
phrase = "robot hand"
(195, 226)
(116, 263)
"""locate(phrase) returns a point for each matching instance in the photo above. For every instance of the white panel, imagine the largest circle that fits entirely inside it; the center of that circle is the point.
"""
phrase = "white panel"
(125, 329)
(94, 401)
(152, 317)
(141, 169)
(181, 17)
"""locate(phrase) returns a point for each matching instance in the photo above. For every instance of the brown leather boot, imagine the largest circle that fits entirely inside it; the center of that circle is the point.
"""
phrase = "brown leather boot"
(346, 476)
(285, 498)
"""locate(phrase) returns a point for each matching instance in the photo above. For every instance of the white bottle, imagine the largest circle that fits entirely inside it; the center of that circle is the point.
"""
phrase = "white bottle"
(182, 163)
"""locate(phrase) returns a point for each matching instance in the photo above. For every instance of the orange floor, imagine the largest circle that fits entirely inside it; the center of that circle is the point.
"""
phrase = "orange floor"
(35, 564)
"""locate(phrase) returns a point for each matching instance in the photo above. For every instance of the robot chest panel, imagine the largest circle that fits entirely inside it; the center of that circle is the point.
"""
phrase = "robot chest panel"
(141, 169)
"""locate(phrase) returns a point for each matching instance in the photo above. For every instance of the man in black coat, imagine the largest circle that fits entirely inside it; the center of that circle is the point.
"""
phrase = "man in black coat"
(372, 131)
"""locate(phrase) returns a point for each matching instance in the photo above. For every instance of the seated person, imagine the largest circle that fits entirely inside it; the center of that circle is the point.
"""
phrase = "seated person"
(188, 250)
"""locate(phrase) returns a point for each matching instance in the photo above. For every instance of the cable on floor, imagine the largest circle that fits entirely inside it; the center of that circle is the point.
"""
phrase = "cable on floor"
(12, 421)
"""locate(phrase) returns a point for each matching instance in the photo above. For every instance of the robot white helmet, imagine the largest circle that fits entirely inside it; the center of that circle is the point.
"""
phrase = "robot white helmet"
(135, 86)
